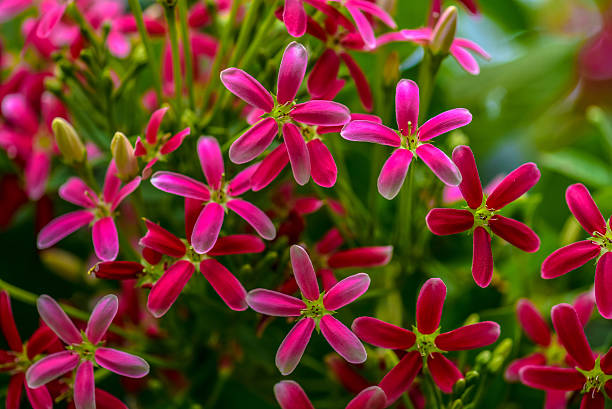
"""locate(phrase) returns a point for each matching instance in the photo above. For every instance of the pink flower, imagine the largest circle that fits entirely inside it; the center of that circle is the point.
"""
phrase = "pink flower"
(83, 350)
(99, 210)
(218, 196)
(599, 245)
(19, 358)
(315, 310)
(153, 148)
(184, 261)
(591, 375)
(410, 140)
(482, 218)
(425, 345)
(290, 395)
(452, 194)
(296, 120)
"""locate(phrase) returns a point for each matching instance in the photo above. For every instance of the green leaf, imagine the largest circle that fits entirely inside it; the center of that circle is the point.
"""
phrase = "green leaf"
(579, 166)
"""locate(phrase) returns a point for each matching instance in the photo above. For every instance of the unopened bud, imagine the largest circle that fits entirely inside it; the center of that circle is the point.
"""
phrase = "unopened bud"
(117, 270)
(472, 377)
(496, 363)
(123, 153)
(391, 68)
(62, 262)
(457, 404)
(471, 319)
(68, 141)
(483, 358)
(444, 31)
(459, 386)
(504, 348)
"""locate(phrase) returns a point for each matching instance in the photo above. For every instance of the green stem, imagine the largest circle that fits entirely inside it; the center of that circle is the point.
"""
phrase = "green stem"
(176, 59)
(403, 228)
(263, 32)
(433, 390)
(146, 41)
(182, 11)
(87, 174)
(480, 391)
(427, 73)
(88, 31)
(218, 387)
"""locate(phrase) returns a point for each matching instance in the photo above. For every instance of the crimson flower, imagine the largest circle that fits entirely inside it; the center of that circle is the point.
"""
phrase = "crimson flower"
(315, 309)
(482, 218)
(290, 395)
(425, 345)
(410, 140)
(591, 375)
(218, 196)
(570, 257)
(99, 210)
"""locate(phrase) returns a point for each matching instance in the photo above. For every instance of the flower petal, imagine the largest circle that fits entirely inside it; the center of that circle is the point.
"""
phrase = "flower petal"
(76, 191)
(514, 368)
(324, 72)
(253, 216)
(465, 59)
(125, 191)
(7, 323)
(13, 392)
(449, 221)
(304, 272)
(361, 82)
(571, 335)
(298, 153)
(101, 317)
(552, 378)
(383, 335)
(429, 305)
(568, 258)
(180, 185)
(594, 400)
(247, 88)
(346, 291)
(84, 386)
(225, 284)
(444, 122)
(273, 303)
(211, 161)
(122, 363)
(294, 17)
(207, 227)
(513, 186)
(584, 304)
(469, 337)
(162, 241)
(364, 27)
(368, 131)
(51, 367)
(153, 125)
(105, 400)
(516, 233)
(533, 323)
(370, 398)
(393, 173)
(175, 142)
(105, 239)
(439, 163)
(445, 374)
(399, 379)
(295, 59)
(584, 209)
(470, 186)
(322, 165)
(62, 226)
(320, 112)
(270, 168)
(344, 342)
(482, 257)
(241, 183)
(254, 141)
(39, 398)
(56, 319)
(292, 348)
(167, 289)
(49, 20)
(290, 395)
(603, 285)
(361, 257)
(40, 340)
(407, 106)
(237, 244)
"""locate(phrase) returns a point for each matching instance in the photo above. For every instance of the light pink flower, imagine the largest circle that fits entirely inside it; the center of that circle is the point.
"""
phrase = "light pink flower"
(98, 210)
(315, 310)
(290, 395)
(410, 140)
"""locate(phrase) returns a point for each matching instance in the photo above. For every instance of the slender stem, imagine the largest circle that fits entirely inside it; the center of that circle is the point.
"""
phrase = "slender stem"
(480, 391)
(427, 73)
(146, 41)
(86, 28)
(87, 173)
(404, 225)
(217, 388)
(263, 32)
(431, 386)
(182, 11)
(176, 59)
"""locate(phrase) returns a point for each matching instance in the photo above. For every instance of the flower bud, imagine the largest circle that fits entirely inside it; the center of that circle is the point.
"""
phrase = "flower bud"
(459, 386)
(472, 319)
(123, 153)
(483, 358)
(504, 348)
(496, 363)
(444, 31)
(63, 263)
(457, 404)
(68, 141)
(117, 270)
(391, 68)
(472, 377)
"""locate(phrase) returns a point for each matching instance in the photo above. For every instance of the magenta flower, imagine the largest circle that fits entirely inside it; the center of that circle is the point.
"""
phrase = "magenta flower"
(153, 148)
(184, 261)
(99, 210)
(591, 375)
(314, 310)
(83, 351)
(424, 344)
(452, 194)
(482, 218)
(19, 358)
(290, 395)
(599, 245)
(410, 140)
(296, 120)
(218, 196)
(358, 10)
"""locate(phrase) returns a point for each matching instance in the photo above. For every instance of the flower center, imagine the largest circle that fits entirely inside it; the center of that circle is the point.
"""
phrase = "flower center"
(426, 343)
(554, 353)
(482, 214)
(86, 350)
(102, 210)
(603, 240)
(410, 140)
(315, 309)
(595, 378)
(280, 112)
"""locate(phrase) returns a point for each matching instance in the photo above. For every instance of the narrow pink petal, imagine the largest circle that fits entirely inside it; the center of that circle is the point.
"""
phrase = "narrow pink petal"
(603, 285)
(465, 59)
(56, 319)
(364, 27)
(84, 386)
(298, 153)
(470, 186)
(407, 106)
(36, 174)
(247, 88)
(153, 125)
(470, 45)
(571, 335)
(175, 142)
(444, 122)
(49, 20)
(76, 191)
(370, 398)
(322, 165)
(101, 317)
(105, 400)
(374, 10)
(294, 17)
(7, 323)
(308, 205)
(273, 303)
(584, 304)
(13, 392)
(445, 374)
(593, 400)
(167, 289)
(293, 65)
(346, 291)
(513, 186)
(393, 173)
(449, 221)
(254, 141)
(469, 337)
(62, 226)
(180, 185)
(514, 368)
(292, 348)
(39, 398)
(399, 379)
(40, 340)
(225, 284)
(381, 334)
(118, 44)
(516, 233)
(532, 322)
(241, 183)
(439, 163)
(270, 168)
(112, 183)
(584, 209)
(237, 244)
(253, 216)
(51, 367)
(482, 257)
(290, 395)
(361, 257)
(429, 305)
(344, 342)
(162, 241)
(320, 112)
(211, 161)
(552, 378)
(207, 227)
(361, 82)
(304, 273)
(606, 361)
(568, 258)
(122, 363)
(324, 72)
(105, 239)
(368, 131)
(125, 191)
